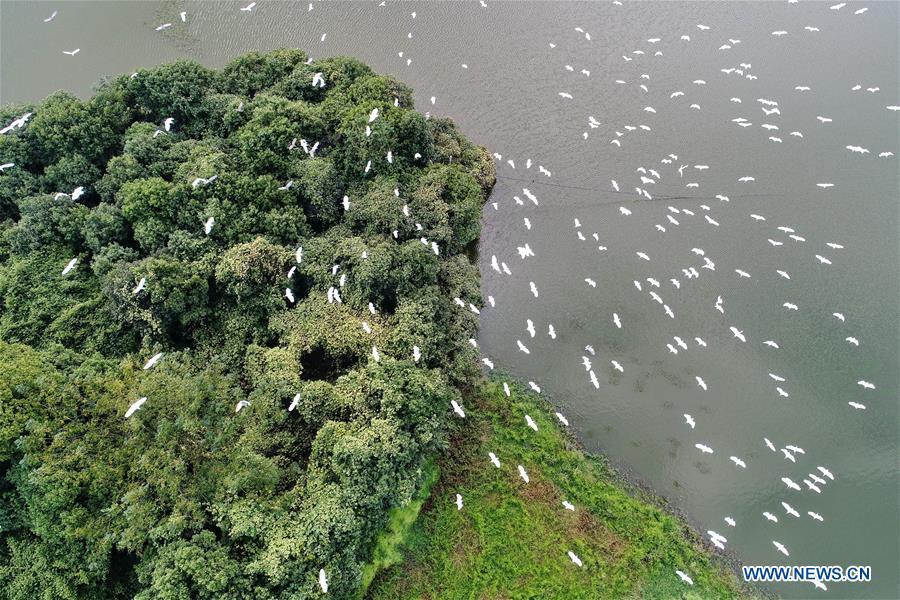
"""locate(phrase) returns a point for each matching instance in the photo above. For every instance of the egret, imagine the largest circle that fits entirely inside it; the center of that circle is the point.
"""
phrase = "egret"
(457, 408)
(684, 577)
(153, 360)
(791, 484)
(523, 474)
(135, 406)
(71, 265)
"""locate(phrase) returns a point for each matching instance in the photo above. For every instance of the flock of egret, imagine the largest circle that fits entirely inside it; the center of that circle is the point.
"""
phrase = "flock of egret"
(669, 169)
(673, 171)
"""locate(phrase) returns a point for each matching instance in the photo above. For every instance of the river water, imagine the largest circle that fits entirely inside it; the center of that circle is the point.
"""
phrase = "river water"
(507, 98)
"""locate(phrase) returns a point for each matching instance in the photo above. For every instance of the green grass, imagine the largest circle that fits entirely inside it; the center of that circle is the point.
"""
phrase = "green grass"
(510, 539)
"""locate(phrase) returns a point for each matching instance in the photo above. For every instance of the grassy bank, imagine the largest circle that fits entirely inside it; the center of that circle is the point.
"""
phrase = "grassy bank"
(511, 538)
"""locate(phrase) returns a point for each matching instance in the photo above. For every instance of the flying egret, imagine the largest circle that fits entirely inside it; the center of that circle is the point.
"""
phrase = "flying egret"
(135, 406)
(523, 474)
(153, 360)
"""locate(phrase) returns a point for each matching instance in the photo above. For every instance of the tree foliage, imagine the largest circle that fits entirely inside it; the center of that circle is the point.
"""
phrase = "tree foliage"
(188, 237)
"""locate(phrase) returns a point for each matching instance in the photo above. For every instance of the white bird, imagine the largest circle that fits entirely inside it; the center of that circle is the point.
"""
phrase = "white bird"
(684, 577)
(730, 521)
(494, 460)
(417, 354)
(323, 581)
(788, 455)
(781, 548)
(530, 422)
(318, 80)
(459, 502)
(617, 321)
(738, 462)
(617, 366)
(701, 383)
(857, 405)
(69, 266)
(72, 52)
(815, 515)
(289, 294)
(153, 360)
(562, 419)
(375, 354)
(208, 226)
(738, 334)
(865, 384)
(135, 406)
(770, 445)
(140, 286)
(241, 405)
(249, 7)
(689, 420)
(826, 473)
(523, 474)
(790, 306)
(791, 484)
(575, 558)
(852, 340)
(294, 402)
(790, 509)
(703, 448)
(771, 344)
(568, 505)
(458, 409)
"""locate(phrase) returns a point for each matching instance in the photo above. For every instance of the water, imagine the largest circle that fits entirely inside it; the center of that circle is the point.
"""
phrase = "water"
(508, 100)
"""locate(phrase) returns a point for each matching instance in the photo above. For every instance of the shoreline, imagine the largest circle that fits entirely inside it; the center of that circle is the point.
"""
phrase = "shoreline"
(637, 487)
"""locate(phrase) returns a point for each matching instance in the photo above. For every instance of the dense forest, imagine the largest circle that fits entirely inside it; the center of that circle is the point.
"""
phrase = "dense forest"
(230, 331)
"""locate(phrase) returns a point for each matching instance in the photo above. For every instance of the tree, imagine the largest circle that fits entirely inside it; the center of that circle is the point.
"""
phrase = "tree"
(187, 242)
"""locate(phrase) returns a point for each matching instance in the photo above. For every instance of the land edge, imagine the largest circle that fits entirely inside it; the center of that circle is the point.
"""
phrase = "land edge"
(392, 539)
